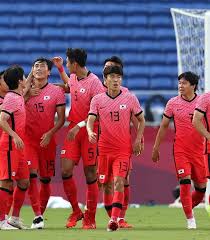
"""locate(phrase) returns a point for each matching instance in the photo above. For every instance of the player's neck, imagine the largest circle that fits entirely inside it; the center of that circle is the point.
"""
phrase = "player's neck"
(18, 90)
(113, 93)
(40, 83)
(82, 73)
(189, 96)
(2, 93)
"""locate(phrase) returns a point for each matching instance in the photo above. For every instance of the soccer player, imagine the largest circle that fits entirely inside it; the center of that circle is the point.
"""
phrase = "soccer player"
(12, 163)
(114, 109)
(40, 136)
(83, 85)
(201, 121)
(188, 145)
(3, 87)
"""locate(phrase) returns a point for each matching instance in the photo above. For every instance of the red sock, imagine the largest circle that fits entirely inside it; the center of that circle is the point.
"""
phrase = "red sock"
(4, 196)
(108, 198)
(92, 197)
(117, 204)
(33, 193)
(9, 203)
(197, 196)
(186, 199)
(18, 199)
(71, 192)
(45, 191)
(126, 201)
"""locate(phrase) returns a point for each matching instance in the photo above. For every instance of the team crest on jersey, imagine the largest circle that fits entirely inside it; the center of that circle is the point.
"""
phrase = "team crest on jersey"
(46, 97)
(123, 106)
(13, 174)
(29, 163)
(102, 177)
(63, 151)
(180, 171)
(82, 90)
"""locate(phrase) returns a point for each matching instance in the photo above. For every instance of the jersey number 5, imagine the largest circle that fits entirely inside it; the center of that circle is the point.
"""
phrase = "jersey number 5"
(39, 107)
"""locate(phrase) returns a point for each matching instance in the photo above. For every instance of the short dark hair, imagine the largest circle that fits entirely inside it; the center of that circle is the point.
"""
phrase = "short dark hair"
(191, 77)
(112, 69)
(78, 55)
(48, 62)
(12, 75)
(114, 59)
(2, 73)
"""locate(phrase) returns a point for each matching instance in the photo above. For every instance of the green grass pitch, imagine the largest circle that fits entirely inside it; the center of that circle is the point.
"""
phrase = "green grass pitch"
(151, 223)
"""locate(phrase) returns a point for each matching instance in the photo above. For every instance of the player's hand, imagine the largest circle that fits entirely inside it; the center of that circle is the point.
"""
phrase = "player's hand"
(34, 91)
(73, 132)
(155, 155)
(92, 137)
(137, 148)
(45, 139)
(18, 142)
(58, 61)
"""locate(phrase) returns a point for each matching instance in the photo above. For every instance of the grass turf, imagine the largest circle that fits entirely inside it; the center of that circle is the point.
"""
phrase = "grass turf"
(152, 223)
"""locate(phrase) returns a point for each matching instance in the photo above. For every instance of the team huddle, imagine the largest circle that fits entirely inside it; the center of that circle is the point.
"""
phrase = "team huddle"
(99, 133)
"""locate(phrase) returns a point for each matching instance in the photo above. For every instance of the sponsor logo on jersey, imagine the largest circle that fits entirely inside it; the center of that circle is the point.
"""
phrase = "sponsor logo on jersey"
(46, 97)
(123, 106)
(82, 90)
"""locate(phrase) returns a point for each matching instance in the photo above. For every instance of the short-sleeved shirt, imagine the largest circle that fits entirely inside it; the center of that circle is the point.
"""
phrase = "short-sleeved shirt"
(13, 105)
(114, 120)
(187, 138)
(41, 109)
(82, 91)
(203, 106)
(1, 101)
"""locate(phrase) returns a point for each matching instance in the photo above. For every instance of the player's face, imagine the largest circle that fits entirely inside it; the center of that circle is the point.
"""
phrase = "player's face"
(71, 66)
(184, 87)
(23, 82)
(3, 86)
(113, 81)
(40, 70)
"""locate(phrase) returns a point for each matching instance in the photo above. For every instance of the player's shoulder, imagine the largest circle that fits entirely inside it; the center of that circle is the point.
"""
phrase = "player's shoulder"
(100, 96)
(174, 100)
(55, 88)
(94, 78)
(124, 89)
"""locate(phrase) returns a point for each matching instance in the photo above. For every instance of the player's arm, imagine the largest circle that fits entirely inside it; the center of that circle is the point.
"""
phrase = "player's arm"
(198, 123)
(90, 125)
(159, 137)
(58, 62)
(74, 131)
(4, 117)
(137, 148)
(59, 123)
(65, 87)
(135, 123)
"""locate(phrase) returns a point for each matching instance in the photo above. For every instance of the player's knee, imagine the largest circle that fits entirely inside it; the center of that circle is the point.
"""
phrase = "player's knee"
(90, 173)
(108, 188)
(185, 181)
(23, 185)
(202, 190)
(45, 180)
(119, 184)
(67, 172)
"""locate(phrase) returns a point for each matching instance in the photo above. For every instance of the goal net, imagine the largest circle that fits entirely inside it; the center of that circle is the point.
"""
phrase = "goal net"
(192, 31)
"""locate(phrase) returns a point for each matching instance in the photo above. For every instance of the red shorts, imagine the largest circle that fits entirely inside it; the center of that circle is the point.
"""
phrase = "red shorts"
(190, 165)
(112, 165)
(207, 164)
(80, 147)
(41, 159)
(13, 165)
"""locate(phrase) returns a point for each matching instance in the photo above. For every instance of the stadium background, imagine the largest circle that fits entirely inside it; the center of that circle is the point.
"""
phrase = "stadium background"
(140, 32)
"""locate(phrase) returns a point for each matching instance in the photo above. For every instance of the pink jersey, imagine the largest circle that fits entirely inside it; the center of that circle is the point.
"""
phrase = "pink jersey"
(123, 89)
(187, 139)
(82, 92)
(41, 109)
(114, 119)
(13, 105)
(203, 106)
(1, 101)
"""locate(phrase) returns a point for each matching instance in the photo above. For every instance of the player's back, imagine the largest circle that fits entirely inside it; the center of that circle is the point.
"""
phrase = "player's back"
(14, 105)
(41, 109)
(82, 91)
(186, 136)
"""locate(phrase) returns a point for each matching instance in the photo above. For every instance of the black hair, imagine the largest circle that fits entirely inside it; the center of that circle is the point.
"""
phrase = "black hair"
(112, 69)
(12, 75)
(2, 73)
(191, 77)
(78, 55)
(114, 59)
(48, 62)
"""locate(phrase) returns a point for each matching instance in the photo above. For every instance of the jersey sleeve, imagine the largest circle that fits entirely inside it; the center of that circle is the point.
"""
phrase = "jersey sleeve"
(61, 100)
(9, 105)
(136, 108)
(94, 106)
(168, 112)
(202, 104)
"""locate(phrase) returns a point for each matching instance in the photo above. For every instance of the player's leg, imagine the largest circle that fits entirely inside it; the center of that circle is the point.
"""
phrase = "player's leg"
(89, 157)
(108, 189)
